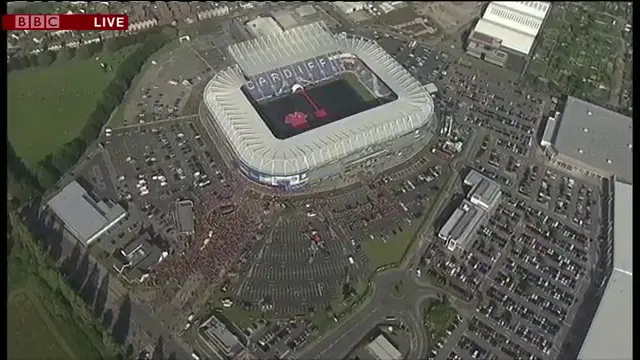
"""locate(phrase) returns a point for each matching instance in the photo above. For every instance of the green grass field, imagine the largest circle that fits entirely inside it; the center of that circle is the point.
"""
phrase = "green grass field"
(362, 90)
(41, 323)
(382, 253)
(48, 106)
(30, 331)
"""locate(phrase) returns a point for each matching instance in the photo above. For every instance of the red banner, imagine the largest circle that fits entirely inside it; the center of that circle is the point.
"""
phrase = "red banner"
(98, 22)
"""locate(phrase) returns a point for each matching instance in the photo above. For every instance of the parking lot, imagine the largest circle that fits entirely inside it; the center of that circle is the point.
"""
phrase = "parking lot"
(498, 105)
(157, 165)
(165, 86)
(279, 338)
(211, 48)
(526, 270)
(302, 264)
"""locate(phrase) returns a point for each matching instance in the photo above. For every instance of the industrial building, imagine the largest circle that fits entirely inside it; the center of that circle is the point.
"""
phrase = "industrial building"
(475, 211)
(270, 66)
(590, 140)
(381, 349)
(348, 7)
(610, 335)
(263, 26)
(507, 31)
(134, 261)
(218, 339)
(84, 216)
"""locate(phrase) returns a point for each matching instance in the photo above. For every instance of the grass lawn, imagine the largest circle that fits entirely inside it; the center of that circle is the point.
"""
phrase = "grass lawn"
(363, 92)
(31, 334)
(438, 317)
(38, 327)
(382, 253)
(240, 317)
(49, 106)
(41, 323)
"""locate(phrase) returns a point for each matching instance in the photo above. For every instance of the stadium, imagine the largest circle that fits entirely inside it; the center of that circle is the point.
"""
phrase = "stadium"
(304, 105)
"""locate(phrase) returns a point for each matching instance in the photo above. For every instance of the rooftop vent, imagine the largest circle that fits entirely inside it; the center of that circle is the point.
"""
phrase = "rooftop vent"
(608, 161)
(629, 146)
(585, 129)
(589, 112)
(581, 151)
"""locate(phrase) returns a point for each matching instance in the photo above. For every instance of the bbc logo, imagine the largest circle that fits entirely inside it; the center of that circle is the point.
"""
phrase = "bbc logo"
(35, 22)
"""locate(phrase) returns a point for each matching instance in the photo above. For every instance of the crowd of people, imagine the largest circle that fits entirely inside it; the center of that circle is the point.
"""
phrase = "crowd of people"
(227, 220)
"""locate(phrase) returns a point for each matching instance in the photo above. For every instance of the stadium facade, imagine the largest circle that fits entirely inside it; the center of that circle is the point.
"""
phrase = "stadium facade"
(279, 64)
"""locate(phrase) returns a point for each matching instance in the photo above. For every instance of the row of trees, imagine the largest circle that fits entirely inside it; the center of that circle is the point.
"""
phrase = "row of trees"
(111, 45)
(28, 263)
(24, 184)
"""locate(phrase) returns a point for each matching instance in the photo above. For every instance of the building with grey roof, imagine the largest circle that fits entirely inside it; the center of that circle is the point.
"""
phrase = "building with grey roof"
(185, 217)
(475, 211)
(84, 216)
(219, 339)
(323, 151)
(136, 259)
(381, 349)
(263, 26)
(485, 193)
(461, 225)
(590, 140)
(610, 335)
(305, 10)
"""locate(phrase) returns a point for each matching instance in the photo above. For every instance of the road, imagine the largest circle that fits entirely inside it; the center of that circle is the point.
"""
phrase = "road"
(341, 340)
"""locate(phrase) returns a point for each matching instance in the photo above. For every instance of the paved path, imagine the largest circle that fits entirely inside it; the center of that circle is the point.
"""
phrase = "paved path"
(341, 340)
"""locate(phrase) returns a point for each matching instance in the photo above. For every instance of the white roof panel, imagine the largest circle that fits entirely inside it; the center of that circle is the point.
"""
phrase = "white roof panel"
(258, 149)
(611, 333)
(623, 227)
(510, 39)
(538, 9)
(514, 20)
(598, 137)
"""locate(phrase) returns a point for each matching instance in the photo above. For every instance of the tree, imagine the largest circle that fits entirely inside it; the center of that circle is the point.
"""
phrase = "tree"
(46, 58)
(66, 53)
(18, 63)
(113, 44)
(45, 178)
(68, 155)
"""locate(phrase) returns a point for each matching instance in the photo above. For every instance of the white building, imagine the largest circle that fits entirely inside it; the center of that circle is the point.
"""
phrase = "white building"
(348, 7)
(507, 27)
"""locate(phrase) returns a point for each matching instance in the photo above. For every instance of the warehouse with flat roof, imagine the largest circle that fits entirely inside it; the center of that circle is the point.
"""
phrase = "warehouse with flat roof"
(382, 349)
(474, 211)
(507, 31)
(84, 216)
(590, 140)
(610, 335)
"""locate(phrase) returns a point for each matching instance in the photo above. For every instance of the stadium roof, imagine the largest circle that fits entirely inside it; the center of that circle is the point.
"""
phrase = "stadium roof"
(82, 215)
(610, 335)
(279, 49)
(264, 26)
(597, 137)
(516, 23)
(261, 151)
